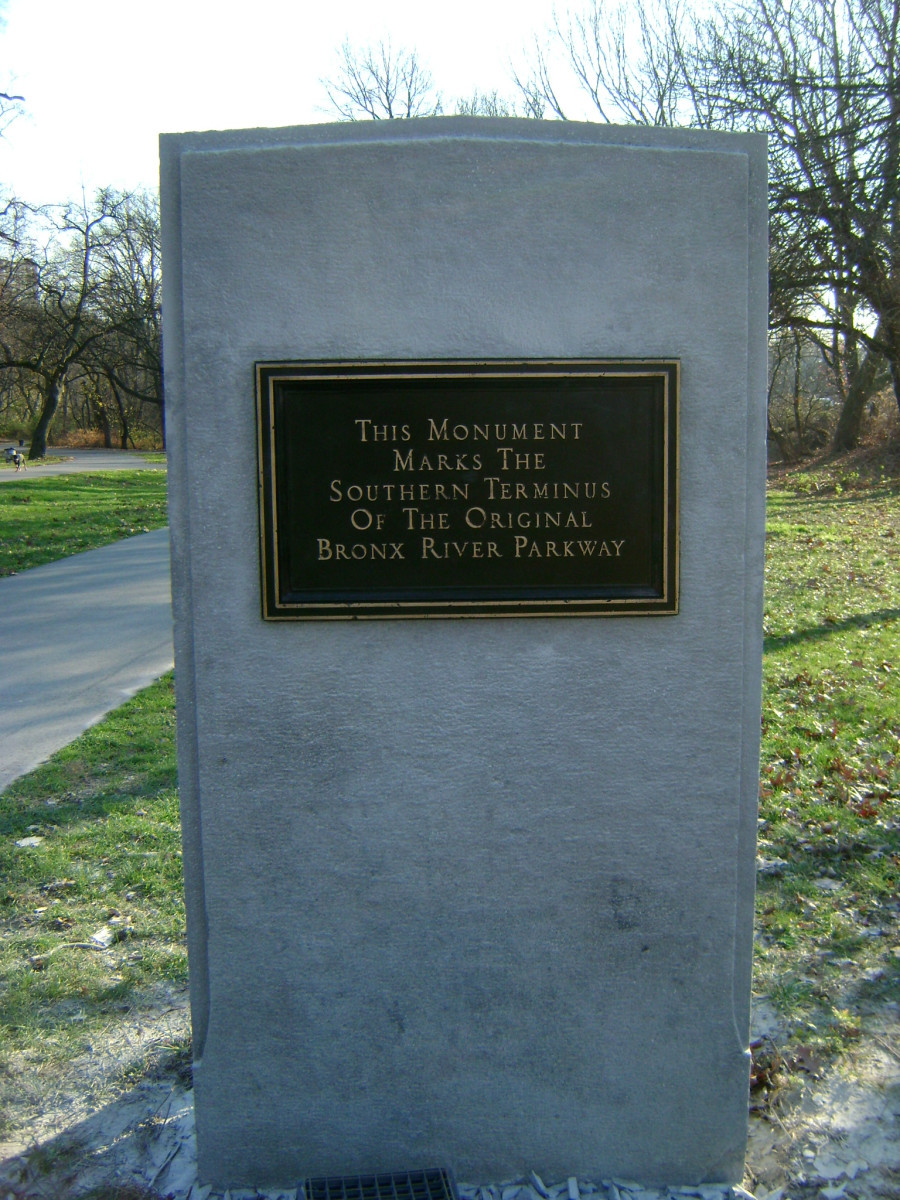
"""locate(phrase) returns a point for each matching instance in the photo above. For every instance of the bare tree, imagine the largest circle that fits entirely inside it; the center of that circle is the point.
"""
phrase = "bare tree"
(129, 357)
(10, 108)
(628, 58)
(80, 301)
(488, 104)
(822, 79)
(10, 103)
(804, 394)
(49, 313)
(381, 83)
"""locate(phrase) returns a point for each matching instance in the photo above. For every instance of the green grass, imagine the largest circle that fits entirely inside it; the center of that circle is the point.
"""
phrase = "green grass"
(42, 520)
(828, 911)
(107, 866)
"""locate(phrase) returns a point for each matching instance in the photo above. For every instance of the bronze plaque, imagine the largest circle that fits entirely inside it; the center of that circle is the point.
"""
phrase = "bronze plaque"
(468, 489)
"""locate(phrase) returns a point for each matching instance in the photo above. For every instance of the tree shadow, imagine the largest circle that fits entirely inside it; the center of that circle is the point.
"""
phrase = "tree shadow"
(140, 1146)
(817, 632)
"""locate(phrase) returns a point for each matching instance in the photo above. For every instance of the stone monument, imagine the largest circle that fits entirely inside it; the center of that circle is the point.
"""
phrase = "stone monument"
(466, 427)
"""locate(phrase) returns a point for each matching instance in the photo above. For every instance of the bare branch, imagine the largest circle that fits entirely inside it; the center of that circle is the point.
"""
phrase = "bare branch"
(383, 84)
(488, 104)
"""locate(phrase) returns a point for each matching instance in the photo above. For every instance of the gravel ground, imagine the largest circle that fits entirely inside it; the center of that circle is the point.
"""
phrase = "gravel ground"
(832, 1136)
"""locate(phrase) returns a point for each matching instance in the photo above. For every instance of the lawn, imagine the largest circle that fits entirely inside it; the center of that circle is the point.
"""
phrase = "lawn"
(42, 520)
(91, 905)
(829, 828)
(91, 910)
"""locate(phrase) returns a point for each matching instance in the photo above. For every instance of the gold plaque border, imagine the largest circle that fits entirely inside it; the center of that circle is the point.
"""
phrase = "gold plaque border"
(268, 373)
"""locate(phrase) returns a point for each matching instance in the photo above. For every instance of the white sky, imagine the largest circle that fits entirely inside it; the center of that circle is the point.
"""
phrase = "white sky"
(102, 78)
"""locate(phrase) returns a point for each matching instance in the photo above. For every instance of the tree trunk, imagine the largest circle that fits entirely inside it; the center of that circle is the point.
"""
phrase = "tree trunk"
(103, 417)
(784, 446)
(53, 391)
(795, 398)
(123, 420)
(895, 377)
(893, 354)
(849, 426)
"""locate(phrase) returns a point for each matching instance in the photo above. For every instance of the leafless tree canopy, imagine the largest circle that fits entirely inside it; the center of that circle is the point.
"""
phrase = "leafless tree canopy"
(79, 285)
(381, 83)
(80, 314)
(10, 108)
(488, 104)
(626, 57)
(10, 103)
(822, 79)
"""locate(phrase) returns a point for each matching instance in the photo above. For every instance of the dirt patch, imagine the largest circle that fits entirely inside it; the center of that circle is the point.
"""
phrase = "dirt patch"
(118, 1123)
(836, 1132)
(41, 1100)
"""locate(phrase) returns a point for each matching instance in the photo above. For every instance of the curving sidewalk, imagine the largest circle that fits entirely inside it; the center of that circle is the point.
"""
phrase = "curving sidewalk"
(78, 637)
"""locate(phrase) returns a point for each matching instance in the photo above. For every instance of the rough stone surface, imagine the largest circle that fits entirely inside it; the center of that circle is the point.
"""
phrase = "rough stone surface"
(452, 884)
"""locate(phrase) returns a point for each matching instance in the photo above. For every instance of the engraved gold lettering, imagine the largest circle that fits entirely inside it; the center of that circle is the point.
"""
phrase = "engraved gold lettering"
(454, 550)
(519, 462)
(528, 431)
(416, 519)
(340, 551)
(476, 517)
(369, 431)
(362, 518)
(526, 547)
(462, 462)
(499, 489)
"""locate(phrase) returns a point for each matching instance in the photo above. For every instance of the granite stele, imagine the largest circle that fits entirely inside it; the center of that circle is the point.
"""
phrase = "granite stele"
(466, 429)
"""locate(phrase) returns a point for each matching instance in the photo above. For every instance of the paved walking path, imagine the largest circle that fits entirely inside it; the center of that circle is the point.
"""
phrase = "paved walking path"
(78, 460)
(77, 638)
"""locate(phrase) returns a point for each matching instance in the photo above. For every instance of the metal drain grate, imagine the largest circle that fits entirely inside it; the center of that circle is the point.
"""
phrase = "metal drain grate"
(435, 1184)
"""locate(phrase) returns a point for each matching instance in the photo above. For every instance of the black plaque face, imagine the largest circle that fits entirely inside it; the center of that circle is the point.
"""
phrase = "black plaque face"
(465, 489)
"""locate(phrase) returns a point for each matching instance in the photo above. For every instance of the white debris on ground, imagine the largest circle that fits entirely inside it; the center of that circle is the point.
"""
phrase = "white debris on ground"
(155, 1157)
(145, 1147)
(834, 1135)
(534, 1188)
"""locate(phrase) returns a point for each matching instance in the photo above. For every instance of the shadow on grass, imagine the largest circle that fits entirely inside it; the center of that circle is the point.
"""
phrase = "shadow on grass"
(880, 616)
(20, 814)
